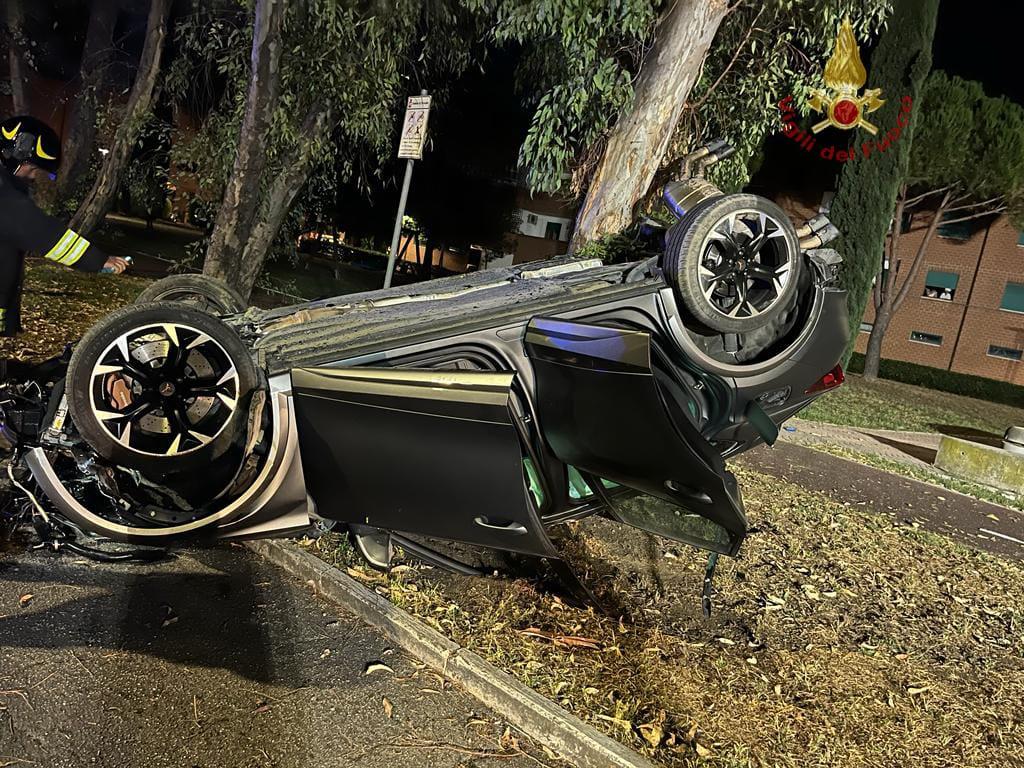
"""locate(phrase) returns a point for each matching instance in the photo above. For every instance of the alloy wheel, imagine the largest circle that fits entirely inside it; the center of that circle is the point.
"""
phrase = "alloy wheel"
(164, 389)
(745, 264)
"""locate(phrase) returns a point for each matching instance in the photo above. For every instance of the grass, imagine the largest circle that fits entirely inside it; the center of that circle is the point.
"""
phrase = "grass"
(886, 404)
(59, 305)
(839, 639)
(935, 477)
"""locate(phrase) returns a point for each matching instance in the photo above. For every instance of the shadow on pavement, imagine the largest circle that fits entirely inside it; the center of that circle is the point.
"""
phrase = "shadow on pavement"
(201, 610)
(917, 451)
(969, 433)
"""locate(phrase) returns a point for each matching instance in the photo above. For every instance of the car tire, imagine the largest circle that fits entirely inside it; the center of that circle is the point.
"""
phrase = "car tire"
(182, 395)
(206, 293)
(710, 242)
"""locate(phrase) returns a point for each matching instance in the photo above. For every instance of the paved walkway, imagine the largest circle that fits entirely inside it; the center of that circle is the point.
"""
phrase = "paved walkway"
(216, 659)
(901, 498)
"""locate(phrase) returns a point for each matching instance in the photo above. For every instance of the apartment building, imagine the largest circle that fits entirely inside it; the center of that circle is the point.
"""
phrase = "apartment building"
(544, 226)
(965, 310)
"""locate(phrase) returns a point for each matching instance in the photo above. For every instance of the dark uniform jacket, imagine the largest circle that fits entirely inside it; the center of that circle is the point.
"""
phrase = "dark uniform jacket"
(25, 228)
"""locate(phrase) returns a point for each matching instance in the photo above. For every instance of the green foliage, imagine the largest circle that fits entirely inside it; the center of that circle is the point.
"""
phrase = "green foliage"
(579, 61)
(969, 142)
(978, 387)
(143, 184)
(863, 206)
(357, 59)
(764, 51)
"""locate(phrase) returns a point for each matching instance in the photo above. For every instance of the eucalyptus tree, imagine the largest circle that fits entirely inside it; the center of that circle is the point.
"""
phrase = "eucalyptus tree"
(620, 91)
(137, 112)
(301, 92)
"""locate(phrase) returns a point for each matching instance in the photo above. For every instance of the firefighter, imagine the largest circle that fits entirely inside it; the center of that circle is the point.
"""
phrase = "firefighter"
(29, 151)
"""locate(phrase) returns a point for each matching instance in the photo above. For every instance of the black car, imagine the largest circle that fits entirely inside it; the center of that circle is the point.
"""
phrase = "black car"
(484, 408)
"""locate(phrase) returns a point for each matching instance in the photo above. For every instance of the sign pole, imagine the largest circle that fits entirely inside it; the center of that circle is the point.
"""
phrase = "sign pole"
(396, 235)
(414, 134)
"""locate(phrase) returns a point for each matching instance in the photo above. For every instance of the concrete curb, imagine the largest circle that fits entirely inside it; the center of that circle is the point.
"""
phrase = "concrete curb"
(540, 719)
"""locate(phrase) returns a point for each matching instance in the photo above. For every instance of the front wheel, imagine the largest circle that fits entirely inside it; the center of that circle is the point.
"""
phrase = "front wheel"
(161, 388)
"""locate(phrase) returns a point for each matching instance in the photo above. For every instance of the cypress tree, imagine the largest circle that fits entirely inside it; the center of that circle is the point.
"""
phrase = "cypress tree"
(866, 195)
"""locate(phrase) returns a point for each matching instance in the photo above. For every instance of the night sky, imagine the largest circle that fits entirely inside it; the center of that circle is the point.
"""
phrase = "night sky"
(983, 41)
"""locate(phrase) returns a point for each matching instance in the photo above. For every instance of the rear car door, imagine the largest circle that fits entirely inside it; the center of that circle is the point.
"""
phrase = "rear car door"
(609, 406)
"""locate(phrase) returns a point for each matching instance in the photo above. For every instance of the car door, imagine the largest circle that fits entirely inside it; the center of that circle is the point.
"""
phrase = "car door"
(432, 452)
(606, 405)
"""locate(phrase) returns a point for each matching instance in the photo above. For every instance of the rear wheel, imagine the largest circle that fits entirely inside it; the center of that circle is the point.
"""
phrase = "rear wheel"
(735, 263)
(206, 293)
(161, 387)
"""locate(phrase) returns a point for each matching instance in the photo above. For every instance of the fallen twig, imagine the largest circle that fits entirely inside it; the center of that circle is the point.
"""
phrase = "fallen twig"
(82, 664)
(565, 641)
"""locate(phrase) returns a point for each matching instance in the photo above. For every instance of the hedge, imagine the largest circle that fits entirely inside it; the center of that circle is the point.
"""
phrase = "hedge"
(945, 381)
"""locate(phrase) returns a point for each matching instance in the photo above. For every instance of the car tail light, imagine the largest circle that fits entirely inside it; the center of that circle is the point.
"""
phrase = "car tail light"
(830, 380)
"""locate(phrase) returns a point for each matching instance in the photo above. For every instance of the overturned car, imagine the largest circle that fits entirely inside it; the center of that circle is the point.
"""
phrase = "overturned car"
(485, 408)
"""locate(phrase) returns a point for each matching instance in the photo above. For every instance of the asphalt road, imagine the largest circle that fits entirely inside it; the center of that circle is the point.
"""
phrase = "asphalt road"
(214, 659)
(904, 499)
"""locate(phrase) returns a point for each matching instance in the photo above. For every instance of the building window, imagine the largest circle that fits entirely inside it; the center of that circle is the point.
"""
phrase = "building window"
(940, 285)
(866, 327)
(921, 337)
(1020, 237)
(1013, 297)
(960, 230)
(553, 231)
(1006, 353)
(531, 218)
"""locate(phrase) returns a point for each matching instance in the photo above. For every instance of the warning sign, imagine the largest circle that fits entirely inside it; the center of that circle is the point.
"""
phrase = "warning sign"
(414, 129)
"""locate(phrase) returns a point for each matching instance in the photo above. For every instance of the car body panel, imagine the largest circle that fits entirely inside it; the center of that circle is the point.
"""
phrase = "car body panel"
(414, 410)
(432, 452)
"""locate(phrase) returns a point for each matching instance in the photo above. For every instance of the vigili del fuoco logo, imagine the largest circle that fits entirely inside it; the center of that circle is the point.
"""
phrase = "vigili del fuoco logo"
(843, 106)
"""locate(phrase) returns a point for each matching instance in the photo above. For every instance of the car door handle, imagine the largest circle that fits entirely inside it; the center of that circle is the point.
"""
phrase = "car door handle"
(505, 526)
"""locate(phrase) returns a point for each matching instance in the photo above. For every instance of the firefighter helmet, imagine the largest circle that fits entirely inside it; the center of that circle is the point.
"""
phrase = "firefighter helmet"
(24, 139)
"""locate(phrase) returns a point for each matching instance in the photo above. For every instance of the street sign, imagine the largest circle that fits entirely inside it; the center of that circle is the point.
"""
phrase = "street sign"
(414, 133)
(414, 129)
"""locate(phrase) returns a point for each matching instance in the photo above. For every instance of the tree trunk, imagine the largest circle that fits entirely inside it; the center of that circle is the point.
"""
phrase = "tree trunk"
(873, 353)
(316, 128)
(891, 297)
(16, 56)
(80, 133)
(95, 205)
(239, 206)
(640, 137)
(428, 259)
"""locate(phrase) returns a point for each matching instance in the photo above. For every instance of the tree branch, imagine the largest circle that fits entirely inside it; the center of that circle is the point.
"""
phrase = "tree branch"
(886, 292)
(732, 62)
(990, 201)
(912, 201)
(95, 205)
(241, 193)
(922, 248)
(976, 215)
(316, 127)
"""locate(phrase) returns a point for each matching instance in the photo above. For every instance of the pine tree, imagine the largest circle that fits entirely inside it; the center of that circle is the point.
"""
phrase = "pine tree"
(863, 207)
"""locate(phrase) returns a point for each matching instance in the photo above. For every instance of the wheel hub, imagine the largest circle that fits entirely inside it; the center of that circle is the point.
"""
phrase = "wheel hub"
(745, 264)
(185, 389)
